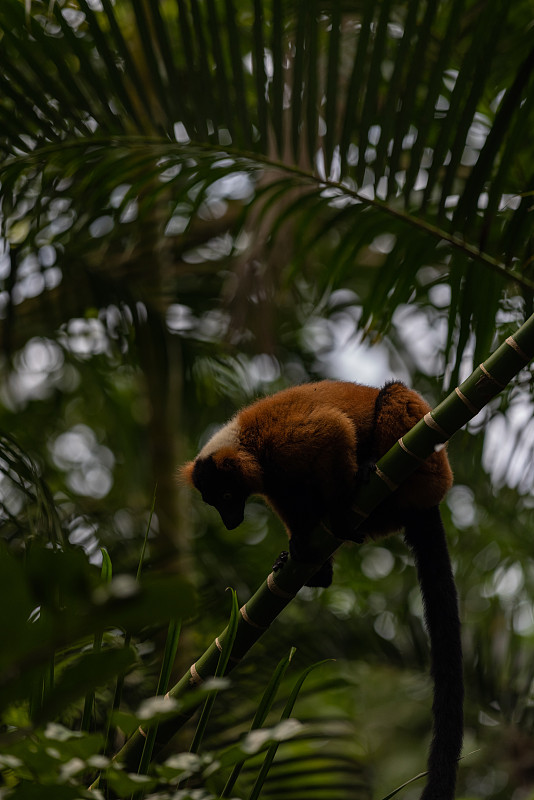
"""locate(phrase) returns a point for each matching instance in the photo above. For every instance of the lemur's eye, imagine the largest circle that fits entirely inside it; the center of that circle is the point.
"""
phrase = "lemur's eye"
(227, 496)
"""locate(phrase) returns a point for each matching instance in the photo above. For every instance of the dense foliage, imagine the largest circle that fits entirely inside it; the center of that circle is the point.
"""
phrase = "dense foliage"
(203, 201)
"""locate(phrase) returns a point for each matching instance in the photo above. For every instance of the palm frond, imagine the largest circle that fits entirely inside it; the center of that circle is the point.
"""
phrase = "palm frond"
(382, 113)
(27, 508)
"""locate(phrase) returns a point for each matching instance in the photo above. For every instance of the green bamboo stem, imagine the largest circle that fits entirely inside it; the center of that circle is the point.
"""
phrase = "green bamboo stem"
(280, 588)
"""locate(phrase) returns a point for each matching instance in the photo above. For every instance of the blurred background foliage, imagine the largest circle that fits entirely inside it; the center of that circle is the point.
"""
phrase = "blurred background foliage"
(207, 200)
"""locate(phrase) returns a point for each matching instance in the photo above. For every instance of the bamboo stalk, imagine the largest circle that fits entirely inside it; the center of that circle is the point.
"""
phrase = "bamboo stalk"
(280, 588)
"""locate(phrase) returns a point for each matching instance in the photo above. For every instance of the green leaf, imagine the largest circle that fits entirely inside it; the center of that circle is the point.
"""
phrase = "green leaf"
(286, 713)
(171, 646)
(125, 784)
(260, 716)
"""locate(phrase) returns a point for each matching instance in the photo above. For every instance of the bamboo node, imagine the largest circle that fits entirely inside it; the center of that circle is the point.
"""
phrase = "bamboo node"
(511, 342)
(389, 483)
(276, 590)
(360, 511)
(491, 378)
(431, 423)
(195, 679)
(218, 645)
(465, 400)
(409, 452)
(249, 621)
(142, 732)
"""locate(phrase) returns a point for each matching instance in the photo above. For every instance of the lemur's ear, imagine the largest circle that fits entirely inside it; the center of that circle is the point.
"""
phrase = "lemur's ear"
(239, 462)
(185, 473)
(250, 469)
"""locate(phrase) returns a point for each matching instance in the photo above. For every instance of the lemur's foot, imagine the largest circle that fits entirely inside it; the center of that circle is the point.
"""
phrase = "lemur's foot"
(280, 561)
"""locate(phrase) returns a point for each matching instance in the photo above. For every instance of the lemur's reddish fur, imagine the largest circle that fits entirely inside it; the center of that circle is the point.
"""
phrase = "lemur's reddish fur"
(311, 440)
(305, 450)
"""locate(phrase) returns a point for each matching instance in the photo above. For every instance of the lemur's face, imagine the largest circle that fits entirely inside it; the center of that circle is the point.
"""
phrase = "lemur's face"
(222, 486)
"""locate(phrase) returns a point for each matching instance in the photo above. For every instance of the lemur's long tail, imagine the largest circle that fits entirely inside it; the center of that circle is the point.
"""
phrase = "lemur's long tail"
(425, 535)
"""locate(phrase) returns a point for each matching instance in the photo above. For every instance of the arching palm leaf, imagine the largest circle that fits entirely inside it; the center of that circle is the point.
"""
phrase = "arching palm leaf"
(383, 136)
